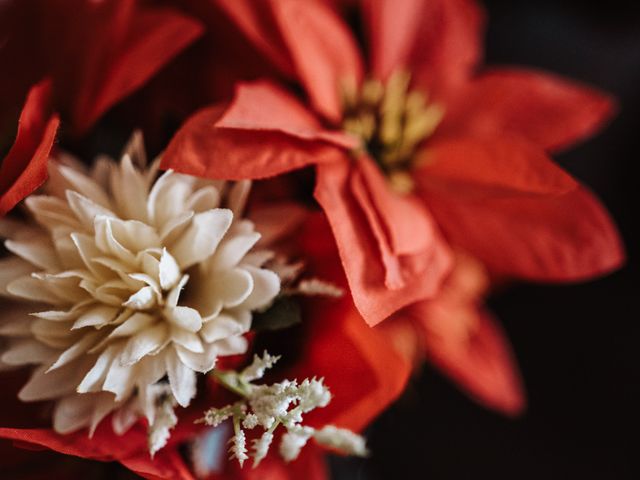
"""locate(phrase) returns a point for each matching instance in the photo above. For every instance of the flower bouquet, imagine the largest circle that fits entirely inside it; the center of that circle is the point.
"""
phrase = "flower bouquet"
(233, 229)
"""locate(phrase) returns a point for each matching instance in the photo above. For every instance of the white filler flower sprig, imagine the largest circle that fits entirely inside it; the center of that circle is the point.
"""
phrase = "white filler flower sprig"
(279, 404)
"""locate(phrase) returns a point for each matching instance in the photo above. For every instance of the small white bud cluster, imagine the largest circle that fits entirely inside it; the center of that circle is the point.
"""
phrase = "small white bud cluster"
(269, 406)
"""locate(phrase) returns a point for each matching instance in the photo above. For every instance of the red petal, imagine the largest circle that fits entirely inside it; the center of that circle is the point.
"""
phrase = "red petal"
(309, 465)
(202, 149)
(369, 262)
(545, 109)
(106, 50)
(307, 39)
(560, 238)
(360, 367)
(256, 21)
(479, 359)
(323, 50)
(407, 222)
(491, 167)
(165, 465)
(263, 105)
(24, 168)
(129, 449)
(439, 41)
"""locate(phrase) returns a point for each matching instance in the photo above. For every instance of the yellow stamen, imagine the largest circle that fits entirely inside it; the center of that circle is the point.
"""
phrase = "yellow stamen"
(391, 121)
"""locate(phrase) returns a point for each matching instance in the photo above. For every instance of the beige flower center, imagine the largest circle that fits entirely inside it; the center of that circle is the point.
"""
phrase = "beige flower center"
(392, 121)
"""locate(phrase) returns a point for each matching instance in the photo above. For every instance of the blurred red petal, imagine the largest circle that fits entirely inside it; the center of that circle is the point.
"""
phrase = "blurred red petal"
(24, 168)
(365, 249)
(559, 238)
(479, 360)
(165, 465)
(256, 21)
(499, 166)
(310, 465)
(543, 108)
(105, 51)
(129, 449)
(439, 41)
(362, 370)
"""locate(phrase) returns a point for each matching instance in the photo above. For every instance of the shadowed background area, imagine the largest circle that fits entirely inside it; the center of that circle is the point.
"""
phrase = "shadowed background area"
(577, 345)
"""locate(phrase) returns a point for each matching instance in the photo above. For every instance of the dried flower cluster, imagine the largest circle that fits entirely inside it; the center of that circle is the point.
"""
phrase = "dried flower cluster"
(279, 404)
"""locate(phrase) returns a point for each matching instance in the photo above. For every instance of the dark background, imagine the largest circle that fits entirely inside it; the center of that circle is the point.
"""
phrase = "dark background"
(578, 346)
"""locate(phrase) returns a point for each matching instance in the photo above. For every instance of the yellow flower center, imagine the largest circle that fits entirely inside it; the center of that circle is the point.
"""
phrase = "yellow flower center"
(392, 121)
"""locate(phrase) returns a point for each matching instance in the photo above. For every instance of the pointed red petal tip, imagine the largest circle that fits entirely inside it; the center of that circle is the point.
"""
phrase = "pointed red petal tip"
(24, 168)
(542, 108)
(568, 237)
(122, 45)
(491, 167)
(466, 344)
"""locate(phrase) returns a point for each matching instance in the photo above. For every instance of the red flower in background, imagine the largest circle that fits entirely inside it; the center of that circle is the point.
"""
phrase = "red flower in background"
(480, 173)
(24, 168)
(92, 57)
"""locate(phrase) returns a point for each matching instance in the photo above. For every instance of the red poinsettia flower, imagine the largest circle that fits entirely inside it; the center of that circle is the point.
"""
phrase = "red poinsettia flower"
(420, 145)
(93, 53)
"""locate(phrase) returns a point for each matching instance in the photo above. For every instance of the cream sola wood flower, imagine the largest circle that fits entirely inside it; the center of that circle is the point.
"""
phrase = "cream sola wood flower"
(127, 277)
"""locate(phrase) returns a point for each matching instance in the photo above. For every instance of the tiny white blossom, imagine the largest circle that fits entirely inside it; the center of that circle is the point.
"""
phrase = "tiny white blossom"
(318, 287)
(280, 404)
(259, 365)
(215, 416)
(313, 394)
(238, 448)
(293, 441)
(341, 439)
(250, 421)
(261, 447)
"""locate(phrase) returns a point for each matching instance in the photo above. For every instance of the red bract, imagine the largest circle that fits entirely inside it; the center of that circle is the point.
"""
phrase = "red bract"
(93, 53)
(96, 52)
(24, 168)
(482, 177)
(457, 335)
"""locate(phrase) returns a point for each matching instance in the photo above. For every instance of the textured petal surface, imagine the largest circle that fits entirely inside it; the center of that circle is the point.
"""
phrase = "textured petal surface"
(560, 238)
(205, 149)
(542, 108)
(381, 280)
(439, 41)
(307, 41)
(499, 166)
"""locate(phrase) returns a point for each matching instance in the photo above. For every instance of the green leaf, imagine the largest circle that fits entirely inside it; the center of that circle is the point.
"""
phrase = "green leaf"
(284, 313)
